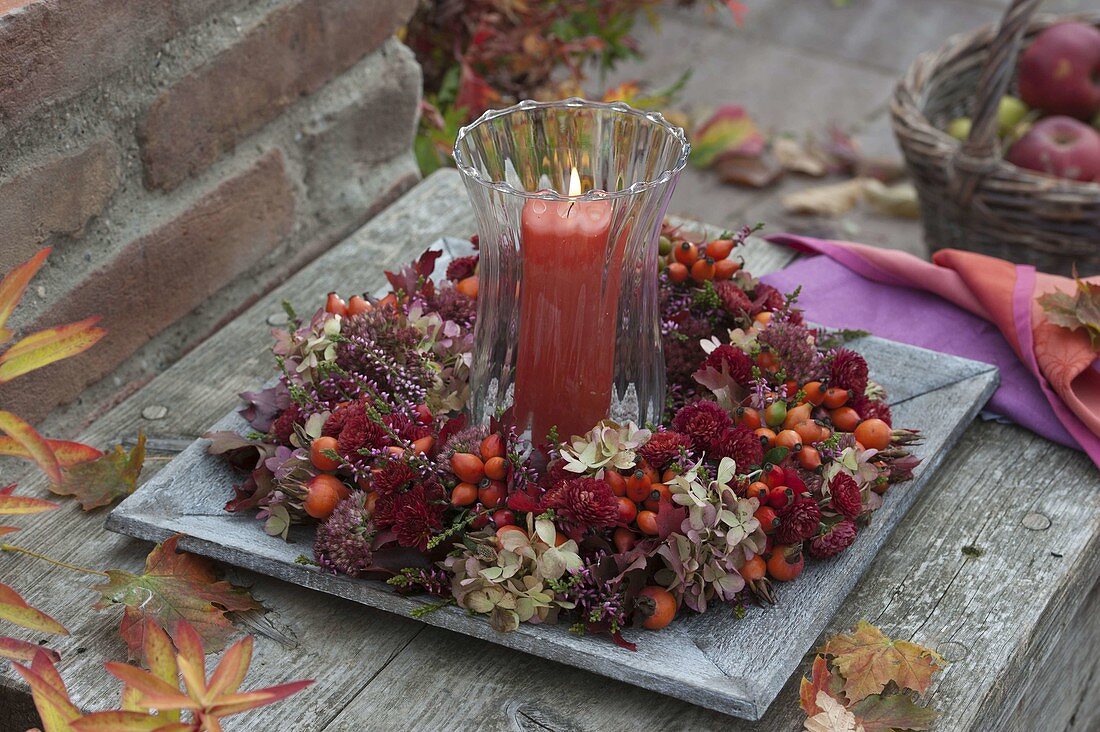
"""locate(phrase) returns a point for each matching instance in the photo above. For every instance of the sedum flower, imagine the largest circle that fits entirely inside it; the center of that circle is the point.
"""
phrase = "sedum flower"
(608, 444)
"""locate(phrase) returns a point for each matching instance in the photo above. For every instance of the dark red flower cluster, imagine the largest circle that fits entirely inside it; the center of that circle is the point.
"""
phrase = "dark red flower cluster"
(357, 432)
(734, 300)
(417, 522)
(871, 409)
(283, 427)
(743, 445)
(461, 268)
(582, 504)
(681, 347)
(664, 447)
(848, 370)
(736, 362)
(393, 476)
(415, 515)
(766, 297)
(704, 422)
(798, 521)
(846, 499)
(836, 539)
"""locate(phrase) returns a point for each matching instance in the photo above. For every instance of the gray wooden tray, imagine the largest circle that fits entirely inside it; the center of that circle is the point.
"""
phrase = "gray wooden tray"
(713, 660)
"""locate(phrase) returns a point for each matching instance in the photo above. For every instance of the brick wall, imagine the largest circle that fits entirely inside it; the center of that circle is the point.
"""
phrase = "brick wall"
(184, 156)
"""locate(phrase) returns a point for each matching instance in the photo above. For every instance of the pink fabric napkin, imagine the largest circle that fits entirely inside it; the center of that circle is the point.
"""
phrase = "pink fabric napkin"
(1057, 390)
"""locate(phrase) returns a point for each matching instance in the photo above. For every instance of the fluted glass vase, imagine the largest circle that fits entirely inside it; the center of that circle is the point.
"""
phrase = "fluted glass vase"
(569, 198)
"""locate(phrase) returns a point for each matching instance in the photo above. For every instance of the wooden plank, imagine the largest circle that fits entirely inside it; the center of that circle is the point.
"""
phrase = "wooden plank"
(710, 659)
(983, 613)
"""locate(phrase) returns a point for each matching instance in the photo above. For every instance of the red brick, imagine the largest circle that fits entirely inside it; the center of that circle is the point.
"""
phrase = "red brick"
(53, 49)
(294, 51)
(161, 277)
(54, 197)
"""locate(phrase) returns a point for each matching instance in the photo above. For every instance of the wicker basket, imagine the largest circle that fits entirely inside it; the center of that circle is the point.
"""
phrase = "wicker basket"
(970, 197)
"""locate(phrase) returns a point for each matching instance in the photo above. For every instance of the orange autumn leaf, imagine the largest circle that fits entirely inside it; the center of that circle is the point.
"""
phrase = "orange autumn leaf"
(175, 588)
(12, 505)
(868, 660)
(98, 482)
(15, 609)
(49, 346)
(67, 453)
(14, 649)
(208, 701)
(33, 443)
(822, 678)
(14, 285)
(51, 697)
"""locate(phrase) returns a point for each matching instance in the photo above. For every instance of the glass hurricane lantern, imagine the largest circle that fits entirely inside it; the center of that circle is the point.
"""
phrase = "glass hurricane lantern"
(569, 198)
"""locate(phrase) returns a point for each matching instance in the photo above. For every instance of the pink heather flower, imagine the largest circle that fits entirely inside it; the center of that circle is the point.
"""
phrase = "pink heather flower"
(704, 422)
(848, 370)
(835, 540)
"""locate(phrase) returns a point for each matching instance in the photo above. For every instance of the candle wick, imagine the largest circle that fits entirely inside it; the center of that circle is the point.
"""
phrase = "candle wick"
(570, 209)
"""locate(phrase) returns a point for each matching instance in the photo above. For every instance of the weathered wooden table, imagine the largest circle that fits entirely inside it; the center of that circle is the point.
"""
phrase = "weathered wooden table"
(995, 566)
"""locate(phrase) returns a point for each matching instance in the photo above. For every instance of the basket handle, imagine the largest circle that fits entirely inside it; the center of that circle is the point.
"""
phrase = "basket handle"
(981, 150)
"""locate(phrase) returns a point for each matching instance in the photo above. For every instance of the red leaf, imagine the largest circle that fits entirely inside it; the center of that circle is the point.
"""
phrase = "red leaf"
(68, 453)
(14, 285)
(18, 650)
(37, 447)
(175, 588)
(669, 519)
(475, 94)
(11, 505)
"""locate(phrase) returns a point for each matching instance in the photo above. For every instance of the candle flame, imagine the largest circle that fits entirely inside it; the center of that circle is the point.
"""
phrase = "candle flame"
(574, 183)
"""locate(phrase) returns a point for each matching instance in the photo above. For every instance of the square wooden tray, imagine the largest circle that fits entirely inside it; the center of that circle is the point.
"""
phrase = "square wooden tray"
(713, 660)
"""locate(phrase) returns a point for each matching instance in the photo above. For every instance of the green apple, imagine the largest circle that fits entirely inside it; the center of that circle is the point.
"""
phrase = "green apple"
(1010, 113)
(959, 128)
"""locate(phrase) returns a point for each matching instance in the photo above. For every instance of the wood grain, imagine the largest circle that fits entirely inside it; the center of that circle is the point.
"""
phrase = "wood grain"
(1006, 619)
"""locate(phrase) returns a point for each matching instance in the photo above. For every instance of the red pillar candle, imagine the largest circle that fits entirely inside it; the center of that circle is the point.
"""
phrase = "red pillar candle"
(569, 298)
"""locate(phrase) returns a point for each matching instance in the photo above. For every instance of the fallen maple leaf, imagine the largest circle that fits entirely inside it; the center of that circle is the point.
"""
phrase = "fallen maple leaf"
(868, 660)
(175, 588)
(99, 482)
(1080, 310)
(833, 717)
(799, 157)
(822, 678)
(15, 609)
(882, 712)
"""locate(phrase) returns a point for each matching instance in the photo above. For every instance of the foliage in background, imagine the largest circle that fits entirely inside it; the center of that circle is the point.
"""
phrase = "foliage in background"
(482, 54)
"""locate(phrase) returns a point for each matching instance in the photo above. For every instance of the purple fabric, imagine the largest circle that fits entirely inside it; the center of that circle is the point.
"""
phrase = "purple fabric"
(835, 296)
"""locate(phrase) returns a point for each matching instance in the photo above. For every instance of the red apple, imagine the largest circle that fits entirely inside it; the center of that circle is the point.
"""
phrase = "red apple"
(1060, 146)
(1059, 72)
